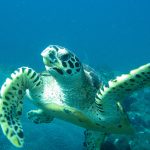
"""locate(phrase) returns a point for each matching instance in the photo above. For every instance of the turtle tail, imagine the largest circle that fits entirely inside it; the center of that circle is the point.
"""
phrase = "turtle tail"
(11, 102)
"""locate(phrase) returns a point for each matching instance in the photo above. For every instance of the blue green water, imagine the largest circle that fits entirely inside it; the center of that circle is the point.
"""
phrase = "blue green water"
(101, 32)
(112, 32)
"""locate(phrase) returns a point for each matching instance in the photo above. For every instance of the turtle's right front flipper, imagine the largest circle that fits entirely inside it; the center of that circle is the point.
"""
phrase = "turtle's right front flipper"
(12, 93)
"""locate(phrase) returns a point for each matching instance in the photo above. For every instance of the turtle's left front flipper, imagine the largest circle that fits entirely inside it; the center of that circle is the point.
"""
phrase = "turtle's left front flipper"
(125, 84)
(108, 97)
(12, 94)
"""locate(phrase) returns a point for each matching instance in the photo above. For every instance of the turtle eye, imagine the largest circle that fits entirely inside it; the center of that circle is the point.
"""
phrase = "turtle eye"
(65, 57)
(52, 57)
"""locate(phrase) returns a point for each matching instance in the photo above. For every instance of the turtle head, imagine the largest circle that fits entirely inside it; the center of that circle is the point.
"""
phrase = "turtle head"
(61, 63)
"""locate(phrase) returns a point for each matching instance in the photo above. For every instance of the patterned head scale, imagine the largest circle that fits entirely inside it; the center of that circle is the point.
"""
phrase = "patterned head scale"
(61, 62)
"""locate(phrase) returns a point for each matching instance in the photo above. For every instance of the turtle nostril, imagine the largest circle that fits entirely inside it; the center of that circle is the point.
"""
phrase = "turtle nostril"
(52, 57)
(46, 51)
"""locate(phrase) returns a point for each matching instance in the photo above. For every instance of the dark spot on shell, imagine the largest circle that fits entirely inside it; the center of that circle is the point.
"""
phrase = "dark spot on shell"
(132, 80)
(71, 64)
(67, 111)
(13, 122)
(76, 59)
(9, 123)
(10, 93)
(20, 92)
(126, 83)
(8, 118)
(69, 71)
(19, 113)
(78, 70)
(81, 120)
(120, 126)
(64, 64)
(72, 59)
(18, 84)
(14, 88)
(16, 127)
(98, 124)
(77, 64)
(121, 86)
(3, 120)
(128, 89)
(138, 76)
(7, 98)
(5, 103)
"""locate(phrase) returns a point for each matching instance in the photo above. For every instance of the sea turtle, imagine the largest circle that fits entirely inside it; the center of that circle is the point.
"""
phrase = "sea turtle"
(70, 91)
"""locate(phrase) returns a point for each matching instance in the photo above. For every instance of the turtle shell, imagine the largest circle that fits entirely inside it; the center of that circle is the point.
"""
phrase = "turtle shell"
(94, 76)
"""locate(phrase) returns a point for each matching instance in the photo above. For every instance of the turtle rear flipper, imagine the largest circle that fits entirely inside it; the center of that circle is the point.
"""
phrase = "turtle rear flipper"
(39, 116)
(93, 140)
(12, 93)
(108, 97)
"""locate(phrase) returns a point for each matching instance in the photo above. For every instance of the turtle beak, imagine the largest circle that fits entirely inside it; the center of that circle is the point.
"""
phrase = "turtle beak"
(49, 58)
(44, 54)
(46, 61)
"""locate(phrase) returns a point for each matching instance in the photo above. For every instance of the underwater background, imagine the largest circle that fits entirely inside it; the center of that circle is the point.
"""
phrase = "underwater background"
(112, 36)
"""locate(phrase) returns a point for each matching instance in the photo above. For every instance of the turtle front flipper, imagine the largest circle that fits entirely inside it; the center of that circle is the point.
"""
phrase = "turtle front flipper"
(93, 139)
(12, 93)
(117, 89)
(39, 116)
